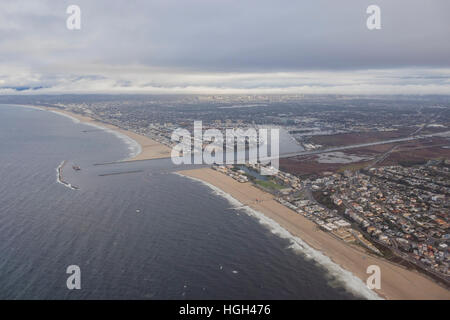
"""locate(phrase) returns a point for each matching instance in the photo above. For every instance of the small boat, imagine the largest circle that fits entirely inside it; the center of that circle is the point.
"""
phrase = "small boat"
(76, 168)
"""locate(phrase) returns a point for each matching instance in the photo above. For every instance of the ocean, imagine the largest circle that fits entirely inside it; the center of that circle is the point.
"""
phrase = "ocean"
(136, 230)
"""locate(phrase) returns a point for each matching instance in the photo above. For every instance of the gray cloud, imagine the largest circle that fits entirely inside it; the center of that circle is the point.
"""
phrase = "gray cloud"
(149, 45)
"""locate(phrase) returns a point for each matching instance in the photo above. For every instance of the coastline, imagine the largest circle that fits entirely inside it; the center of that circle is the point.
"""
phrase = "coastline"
(147, 148)
(396, 282)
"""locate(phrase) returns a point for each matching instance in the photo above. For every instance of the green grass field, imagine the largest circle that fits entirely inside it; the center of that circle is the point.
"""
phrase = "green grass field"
(268, 184)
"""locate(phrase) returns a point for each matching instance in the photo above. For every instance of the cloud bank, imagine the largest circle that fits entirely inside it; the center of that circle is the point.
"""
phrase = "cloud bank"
(225, 46)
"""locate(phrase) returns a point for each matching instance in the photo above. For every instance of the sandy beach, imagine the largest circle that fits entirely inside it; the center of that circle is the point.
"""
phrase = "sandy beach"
(396, 282)
(150, 149)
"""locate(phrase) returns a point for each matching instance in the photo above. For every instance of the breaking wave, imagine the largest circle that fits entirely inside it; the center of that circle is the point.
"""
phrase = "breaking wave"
(345, 278)
(134, 148)
(59, 177)
(75, 120)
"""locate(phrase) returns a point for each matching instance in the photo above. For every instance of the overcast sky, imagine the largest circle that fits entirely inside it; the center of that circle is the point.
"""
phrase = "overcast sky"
(225, 46)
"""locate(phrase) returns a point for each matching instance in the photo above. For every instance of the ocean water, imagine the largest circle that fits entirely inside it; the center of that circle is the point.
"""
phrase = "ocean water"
(145, 234)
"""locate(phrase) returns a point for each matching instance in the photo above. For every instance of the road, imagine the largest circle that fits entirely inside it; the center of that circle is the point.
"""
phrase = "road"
(306, 153)
(356, 146)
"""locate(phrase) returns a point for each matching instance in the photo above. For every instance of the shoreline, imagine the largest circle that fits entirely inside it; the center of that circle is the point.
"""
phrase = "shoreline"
(345, 278)
(147, 148)
(396, 281)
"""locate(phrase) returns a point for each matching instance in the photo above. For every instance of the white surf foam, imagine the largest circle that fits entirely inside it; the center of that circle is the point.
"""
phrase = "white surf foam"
(59, 174)
(27, 106)
(134, 148)
(344, 277)
(74, 120)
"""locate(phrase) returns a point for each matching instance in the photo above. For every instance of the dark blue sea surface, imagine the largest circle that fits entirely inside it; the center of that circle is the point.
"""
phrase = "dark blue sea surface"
(150, 234)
